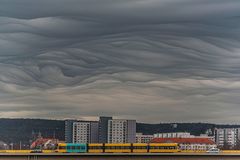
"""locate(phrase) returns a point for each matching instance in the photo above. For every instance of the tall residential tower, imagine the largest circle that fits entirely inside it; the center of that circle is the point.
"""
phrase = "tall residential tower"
(103, 129)
(121, 131)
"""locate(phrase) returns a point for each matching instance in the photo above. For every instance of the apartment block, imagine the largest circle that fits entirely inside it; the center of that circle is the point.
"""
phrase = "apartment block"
(121, 131)
(227, 136)
(103, 129)
(69, 130)
(81, 131)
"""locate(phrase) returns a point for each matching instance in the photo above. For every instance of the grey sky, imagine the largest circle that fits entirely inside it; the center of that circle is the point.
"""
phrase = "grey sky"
(153, 60)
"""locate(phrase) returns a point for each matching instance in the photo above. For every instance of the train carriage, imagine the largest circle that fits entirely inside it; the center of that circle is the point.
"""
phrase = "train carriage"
(163, 147)
(72, 148)
(118, 148)
(139, 147)
(96, 148)
(61, 148)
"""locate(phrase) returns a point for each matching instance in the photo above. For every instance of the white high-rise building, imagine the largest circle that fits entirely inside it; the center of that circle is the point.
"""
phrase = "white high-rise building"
(121, 131)
(229, 136)
(85, 132)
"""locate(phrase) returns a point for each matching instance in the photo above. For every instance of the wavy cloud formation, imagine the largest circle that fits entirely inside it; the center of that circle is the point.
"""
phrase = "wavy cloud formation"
(153, 60)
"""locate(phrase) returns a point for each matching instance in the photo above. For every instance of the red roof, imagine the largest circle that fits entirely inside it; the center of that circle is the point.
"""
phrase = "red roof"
(39, 141)
(183, 140)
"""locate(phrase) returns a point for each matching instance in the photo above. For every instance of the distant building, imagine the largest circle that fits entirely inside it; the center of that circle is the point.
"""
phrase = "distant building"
(194, 144)
(140, 138)
(94, 132)
(181, 135)
(81, 131)
(103, 129)
(106, 130)
(173, 135)
(69, 130)
(227, 136)
(85, 132)
(121, 131)
(212, 138)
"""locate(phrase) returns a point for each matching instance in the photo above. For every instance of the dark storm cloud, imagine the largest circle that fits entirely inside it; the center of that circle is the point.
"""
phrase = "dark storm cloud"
(168, 60)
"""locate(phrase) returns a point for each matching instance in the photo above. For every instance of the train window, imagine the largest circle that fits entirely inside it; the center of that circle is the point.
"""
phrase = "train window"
(154, 147)
(125, 147)
(95, 147)
(83, 147)
(162, 147)
(99, 147)
(117, 147)
(140, 147)
(74, 147)
(78, 147)
(62, 147)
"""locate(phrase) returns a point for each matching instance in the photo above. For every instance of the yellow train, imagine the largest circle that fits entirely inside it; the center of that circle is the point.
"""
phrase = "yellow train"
(117, 148)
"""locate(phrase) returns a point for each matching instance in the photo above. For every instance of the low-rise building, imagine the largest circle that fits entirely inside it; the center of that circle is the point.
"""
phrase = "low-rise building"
(212, 138)
(193, 144)
(173, 135)
(181, 135)
(141, 138)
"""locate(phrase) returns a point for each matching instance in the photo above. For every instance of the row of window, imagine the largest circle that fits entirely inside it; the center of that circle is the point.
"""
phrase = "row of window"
(162, 147)
(73, 147)
(130, 147)
(115, 147)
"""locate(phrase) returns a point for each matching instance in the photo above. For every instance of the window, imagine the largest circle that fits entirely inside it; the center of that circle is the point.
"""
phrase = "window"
(62, 147)
(83, 147)
(162, 147)
(95, 147)
(118, 147)
(139, 147)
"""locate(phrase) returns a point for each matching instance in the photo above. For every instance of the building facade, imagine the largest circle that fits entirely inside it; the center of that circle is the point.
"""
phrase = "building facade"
(227, 136)
(173, 135)
(69, 130)
(94, 132)
(81, 131)
(182, 135)
(189, 144)
(121, 131)
(140, 138)
(103, 129)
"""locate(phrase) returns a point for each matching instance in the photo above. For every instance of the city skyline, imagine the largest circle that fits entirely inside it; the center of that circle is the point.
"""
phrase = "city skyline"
(150, 60)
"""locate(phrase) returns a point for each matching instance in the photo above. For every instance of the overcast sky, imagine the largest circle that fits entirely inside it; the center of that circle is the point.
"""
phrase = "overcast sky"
(150, 60)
